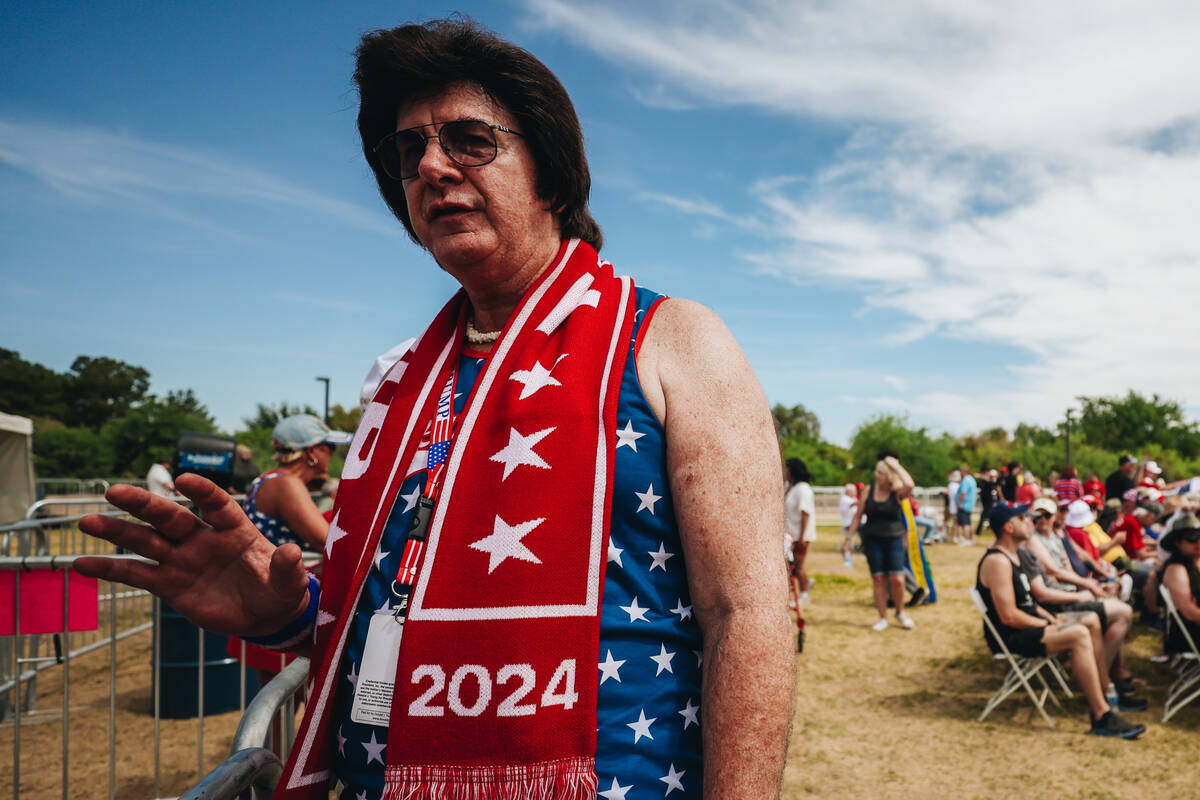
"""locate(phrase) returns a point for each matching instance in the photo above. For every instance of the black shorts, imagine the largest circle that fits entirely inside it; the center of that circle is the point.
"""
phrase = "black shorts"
(1095, 606)
(1027, 642)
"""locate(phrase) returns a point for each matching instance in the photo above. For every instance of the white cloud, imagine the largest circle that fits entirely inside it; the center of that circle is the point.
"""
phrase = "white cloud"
(97, 166)
(1023, 173)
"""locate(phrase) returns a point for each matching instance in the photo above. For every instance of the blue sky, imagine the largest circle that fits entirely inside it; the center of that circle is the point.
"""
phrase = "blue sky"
(969, 215)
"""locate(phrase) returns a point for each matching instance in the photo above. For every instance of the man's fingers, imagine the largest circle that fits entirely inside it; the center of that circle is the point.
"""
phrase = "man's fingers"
(121, 570)
(166, 516)
(219, 509)
(136, 538)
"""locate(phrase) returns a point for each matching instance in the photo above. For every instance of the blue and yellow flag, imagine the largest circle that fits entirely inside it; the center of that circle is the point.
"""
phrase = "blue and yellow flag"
(916, 555)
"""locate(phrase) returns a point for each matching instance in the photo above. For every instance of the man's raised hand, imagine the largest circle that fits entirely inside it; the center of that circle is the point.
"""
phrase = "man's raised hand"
(220, 572)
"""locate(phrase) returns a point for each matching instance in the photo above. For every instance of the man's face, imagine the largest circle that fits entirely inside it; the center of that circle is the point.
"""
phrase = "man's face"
(1127, 468)
(1021, 528)
(471, 216)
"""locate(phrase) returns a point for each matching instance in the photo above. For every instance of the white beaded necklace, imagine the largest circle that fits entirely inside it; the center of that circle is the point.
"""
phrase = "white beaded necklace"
(480, 337)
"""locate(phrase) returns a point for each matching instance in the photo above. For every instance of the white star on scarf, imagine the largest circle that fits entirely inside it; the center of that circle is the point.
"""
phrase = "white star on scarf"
(335, 533)
(683, 611)
(519, 451)
(374, 749)
(341, 741)
(614, 555)
(671, 779)
(648, 498)
(627, 437)
(610, 668)
(616, 791)
(660, 557)
(663, 660)
(363, 795)
(534, 378)
(410, 499)
(635, 611)
(689, 712)
(641, 727)
(505, 542)
(324, 618)
(353, 676)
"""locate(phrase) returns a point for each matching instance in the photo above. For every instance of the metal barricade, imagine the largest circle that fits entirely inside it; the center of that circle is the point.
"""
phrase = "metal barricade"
(124, 615)
(252, 768)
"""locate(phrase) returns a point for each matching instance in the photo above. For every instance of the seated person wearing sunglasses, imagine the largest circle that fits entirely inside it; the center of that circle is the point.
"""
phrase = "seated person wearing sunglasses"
(1030, 630)
(1113, 616)
(1181, 576)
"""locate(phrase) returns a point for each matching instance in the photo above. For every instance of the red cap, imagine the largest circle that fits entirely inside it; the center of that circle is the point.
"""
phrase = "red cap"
(1091, 500)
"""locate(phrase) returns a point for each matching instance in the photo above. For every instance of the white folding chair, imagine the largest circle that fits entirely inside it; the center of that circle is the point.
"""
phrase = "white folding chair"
(1186, 687)
(1022, 671)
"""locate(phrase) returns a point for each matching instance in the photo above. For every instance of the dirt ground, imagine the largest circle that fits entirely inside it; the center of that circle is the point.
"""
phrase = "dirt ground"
(886, 715)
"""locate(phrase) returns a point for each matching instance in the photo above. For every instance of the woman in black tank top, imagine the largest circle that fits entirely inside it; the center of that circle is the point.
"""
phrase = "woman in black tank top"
(882, 533)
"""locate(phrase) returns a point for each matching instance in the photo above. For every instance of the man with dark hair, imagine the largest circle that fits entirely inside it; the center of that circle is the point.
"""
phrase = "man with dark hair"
(800, 515)
(1030, 630)
(1121, 479)
(517, 504)
(1011, 480)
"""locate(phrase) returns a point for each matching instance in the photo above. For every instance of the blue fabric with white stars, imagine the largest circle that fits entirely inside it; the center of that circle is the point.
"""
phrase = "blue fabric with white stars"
(648, 738)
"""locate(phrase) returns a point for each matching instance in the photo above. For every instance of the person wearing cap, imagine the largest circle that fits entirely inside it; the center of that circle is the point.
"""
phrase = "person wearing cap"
(1094, 541)
(278, 502)
(1094, 487)
(1181, 575)
(1149, 474)
(1121, 479)
(1030, 630)
(1080, 595)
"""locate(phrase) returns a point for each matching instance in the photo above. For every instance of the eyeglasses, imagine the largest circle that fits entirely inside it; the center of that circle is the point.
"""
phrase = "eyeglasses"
(467, 142)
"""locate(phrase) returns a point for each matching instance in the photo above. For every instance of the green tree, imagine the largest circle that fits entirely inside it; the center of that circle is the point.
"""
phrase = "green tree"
(1134, 423)
(147, 432)
(926, 459)
(61, 452)
(268, 416)
(29, 389)
(796, 422)
(101, 389)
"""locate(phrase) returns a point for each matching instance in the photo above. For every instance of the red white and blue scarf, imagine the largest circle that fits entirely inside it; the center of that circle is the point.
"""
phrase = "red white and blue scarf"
(496, 684)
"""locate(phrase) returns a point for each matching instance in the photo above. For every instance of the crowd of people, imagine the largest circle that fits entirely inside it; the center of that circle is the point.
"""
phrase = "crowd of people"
(1074, 561)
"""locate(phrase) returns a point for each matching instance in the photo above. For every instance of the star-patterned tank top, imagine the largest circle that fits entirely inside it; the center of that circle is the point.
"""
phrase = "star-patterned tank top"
(648, 703)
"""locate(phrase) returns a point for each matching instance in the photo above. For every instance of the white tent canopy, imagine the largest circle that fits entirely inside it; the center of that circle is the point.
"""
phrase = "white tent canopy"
(16, 467)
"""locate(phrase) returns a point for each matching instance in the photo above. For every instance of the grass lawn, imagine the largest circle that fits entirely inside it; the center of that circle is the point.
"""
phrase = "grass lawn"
(893, 714)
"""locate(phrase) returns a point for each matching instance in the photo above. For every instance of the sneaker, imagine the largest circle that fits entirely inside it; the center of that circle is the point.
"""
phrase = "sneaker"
(849, 562)
(905, 621)
(880, 624)
(1110, 724)
(917, 597)
(804, 600)
(1130, 702)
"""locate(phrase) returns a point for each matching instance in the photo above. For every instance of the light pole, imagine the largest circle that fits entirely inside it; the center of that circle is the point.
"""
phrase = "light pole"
(326, 382)
(1068, 437)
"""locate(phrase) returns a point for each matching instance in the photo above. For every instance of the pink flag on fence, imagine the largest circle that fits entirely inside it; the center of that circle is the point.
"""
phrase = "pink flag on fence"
(42, 601)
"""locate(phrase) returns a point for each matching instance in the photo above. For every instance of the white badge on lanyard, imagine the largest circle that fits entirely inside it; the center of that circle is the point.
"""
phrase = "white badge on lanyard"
(377, 676)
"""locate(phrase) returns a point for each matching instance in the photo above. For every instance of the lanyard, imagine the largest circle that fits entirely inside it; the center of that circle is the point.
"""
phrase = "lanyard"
(441, 437)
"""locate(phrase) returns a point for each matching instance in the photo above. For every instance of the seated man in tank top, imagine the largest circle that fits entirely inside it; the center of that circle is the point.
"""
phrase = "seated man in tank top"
(1029, 630)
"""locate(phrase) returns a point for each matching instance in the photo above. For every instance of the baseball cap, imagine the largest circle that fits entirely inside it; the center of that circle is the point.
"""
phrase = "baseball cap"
(1152, 466)
(305, 430)
(1125, 459)
(1002, 513)
(1091, 500)
(1130, 494)
(1044, 504)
